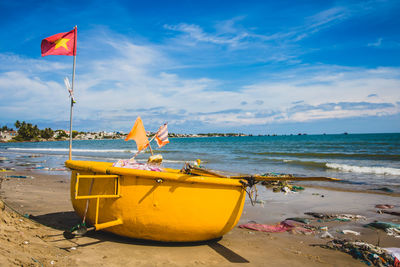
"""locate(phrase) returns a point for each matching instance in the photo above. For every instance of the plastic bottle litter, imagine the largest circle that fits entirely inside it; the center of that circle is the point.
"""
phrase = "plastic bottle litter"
(325, 233)
(346, 232)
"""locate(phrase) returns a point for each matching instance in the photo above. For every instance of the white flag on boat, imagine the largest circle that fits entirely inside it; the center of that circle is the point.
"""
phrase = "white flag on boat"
(162, 136)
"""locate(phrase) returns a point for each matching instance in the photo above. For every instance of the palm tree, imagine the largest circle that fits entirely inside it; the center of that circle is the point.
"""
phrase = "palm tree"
(17, 124)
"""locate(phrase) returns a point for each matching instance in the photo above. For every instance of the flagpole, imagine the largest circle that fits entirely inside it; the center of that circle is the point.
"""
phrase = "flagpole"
(72, 99)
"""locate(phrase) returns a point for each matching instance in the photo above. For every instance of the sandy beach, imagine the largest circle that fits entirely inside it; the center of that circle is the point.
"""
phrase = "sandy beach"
(36, 239)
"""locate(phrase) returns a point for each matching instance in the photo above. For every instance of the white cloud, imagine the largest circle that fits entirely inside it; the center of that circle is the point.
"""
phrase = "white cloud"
(377, 43)
(137, 80)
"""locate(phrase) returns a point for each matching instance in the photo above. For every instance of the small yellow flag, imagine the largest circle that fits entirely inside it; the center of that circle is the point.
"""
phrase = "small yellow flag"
(138, 134)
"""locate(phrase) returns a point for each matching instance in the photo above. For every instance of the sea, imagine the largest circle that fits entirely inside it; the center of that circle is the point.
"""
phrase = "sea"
(361, 161)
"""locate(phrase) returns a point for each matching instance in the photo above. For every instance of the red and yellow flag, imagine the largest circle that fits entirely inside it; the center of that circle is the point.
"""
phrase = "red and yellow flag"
(162, 136)
(63, 44)
(138, 134)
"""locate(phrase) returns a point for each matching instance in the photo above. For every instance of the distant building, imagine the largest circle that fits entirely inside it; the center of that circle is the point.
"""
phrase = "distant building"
(7, 135)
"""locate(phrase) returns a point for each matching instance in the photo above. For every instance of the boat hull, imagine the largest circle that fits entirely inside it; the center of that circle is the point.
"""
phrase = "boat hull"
(161, 206)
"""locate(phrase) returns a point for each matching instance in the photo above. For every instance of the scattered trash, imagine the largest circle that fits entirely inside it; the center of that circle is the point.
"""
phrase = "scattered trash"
(284, 226)
(382, 225)
(73, 248)
(325, 233)
(52, 262)
(392, 229)
(396, 254)
(57, 169)
(279, 228)
(384, 189)
(296, 188)
(346, 232)
(262, 202)
(396, 213)
(35, 260)
(367, 253)
(384, 206)
(299, 227)
(281, 186)
(26, 242)
(325, 217)
(18, 176)
(395, 232)
(302, 220)
(316, 214)
(351, 217)
(6, 169)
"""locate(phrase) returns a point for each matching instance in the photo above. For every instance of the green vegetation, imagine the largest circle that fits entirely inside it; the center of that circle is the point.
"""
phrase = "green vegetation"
(6, 129)
(26, 131)
(47, 133)
(29, 132)
(60, 134)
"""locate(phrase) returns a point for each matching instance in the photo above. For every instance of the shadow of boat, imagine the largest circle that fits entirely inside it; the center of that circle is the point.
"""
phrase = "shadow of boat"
(64, 221)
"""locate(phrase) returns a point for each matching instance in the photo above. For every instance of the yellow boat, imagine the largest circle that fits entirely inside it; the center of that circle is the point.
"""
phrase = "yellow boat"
(164, 206)
(168, 206)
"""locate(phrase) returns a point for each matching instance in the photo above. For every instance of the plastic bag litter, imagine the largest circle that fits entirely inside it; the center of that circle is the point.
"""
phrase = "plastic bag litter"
(350, 232)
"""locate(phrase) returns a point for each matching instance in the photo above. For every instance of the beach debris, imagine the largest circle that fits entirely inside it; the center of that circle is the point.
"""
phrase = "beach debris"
(316, 214)
(35, 260)
(346, 232)
(18, 176)
(367, 253)
(278, 228)
(7, 169)
(284, 226)
(384, 206)
(261, 202)
(325, 233)
(317, 194)
(300, 228)
(57, 169)
(298, 219)
(326, 217)
(391, 229)
(396, 213)
(384, 189)
(296, 188)
(73, 248)
(281, 186)
(351, 217)
(396, 254)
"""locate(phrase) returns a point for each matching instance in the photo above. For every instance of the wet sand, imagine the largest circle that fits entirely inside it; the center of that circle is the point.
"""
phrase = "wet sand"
(39, 241)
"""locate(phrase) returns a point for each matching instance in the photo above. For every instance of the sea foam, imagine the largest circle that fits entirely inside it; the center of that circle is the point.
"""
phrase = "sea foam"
(360, 169)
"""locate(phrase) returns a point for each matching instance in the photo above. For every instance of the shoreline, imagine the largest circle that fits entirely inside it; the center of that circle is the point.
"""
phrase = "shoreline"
(326, 186)
(46, 199)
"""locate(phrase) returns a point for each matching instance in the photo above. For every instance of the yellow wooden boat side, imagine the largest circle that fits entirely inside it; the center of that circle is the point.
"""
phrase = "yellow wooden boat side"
(163, 206)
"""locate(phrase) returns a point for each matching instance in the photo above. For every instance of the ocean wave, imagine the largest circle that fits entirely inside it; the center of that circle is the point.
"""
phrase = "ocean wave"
(360, 169)
(73, 150)
(332, 155)
(310, 164)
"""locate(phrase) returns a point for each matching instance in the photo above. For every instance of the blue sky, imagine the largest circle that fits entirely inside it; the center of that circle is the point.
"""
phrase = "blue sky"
(256, 67)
